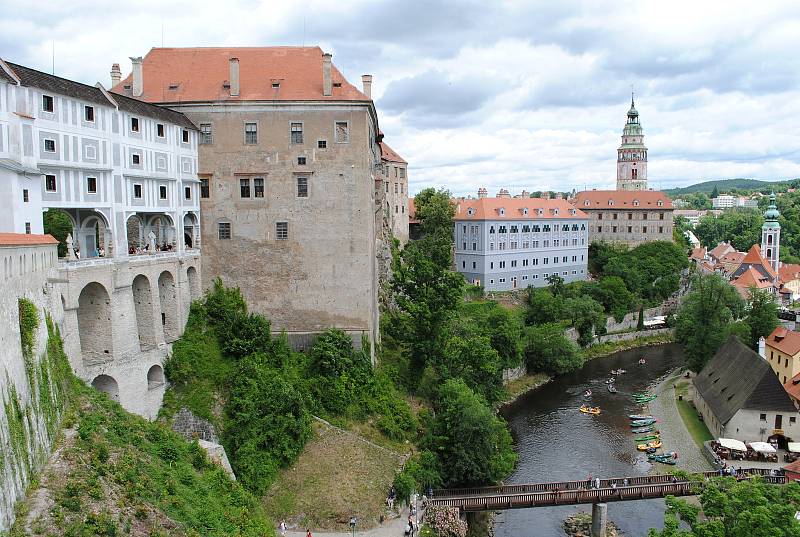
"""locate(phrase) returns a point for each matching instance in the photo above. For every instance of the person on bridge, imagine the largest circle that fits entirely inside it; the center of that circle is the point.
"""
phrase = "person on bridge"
(597, 482)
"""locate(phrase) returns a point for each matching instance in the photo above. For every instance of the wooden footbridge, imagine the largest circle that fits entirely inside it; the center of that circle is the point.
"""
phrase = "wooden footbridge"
(577, 492)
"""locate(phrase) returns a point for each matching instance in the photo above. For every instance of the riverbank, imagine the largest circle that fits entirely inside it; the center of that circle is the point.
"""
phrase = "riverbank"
(526, 383)
(604, 349)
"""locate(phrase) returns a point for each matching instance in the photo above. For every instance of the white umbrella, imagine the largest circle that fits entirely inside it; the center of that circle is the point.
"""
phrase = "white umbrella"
(730, 443)
(762, 447)
(794, 447)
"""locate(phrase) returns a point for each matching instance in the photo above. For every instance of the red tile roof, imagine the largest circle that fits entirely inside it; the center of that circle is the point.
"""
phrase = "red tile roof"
(622, 199)
(698, 253)
(786, 341)
(513, 209)
(198, 74)
(387, 153)
(721, 249)
(25, 239)
(789, 272)
(752, 278)
(794, 467)
(754, 257)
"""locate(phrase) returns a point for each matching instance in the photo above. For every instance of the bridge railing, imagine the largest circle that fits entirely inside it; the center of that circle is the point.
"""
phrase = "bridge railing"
(564, 486)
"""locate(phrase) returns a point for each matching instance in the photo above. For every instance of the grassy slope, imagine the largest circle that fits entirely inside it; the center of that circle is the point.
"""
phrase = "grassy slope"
(339, 475)
(688, 413)
(117, 474)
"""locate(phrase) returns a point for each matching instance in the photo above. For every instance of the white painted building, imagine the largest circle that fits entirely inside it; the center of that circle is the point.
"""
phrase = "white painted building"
(726, 201)
(125, 173)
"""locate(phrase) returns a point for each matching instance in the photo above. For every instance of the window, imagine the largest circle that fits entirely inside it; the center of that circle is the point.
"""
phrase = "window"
(258, 187)
(402, 173)
(224, 230)
(473, 264)
(49, 145)
(301, 161)
(463, 264)
(162, 192)
(47, 103)
(342, 132)
(206, 136)
(137, 191)
(244, 188)
(160, 130)
(25, 198)
(491, 264)
(302, 188)
(297, 133)
(763, 417)
(135, 124)
(644, 216)
(88, 113)
(599, 216)
(187, 192)
(322, 144)
(281, 230)
(474, 244)
(630, 216)
(250, 133)
(204, 191)
(615, 216)
(660, 216)
(513, 263)
(792, 419)
(91, 185)
(27, 228)
(136, 159)
(599, 229)
(660, 229)
(630, 229)
(644, 229)
(90, 152)
(463, 244)
(50, 183)
(614, 229)
(185, 136)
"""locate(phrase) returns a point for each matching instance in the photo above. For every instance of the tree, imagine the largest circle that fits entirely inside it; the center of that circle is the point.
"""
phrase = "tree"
(556, 284)
(742, 228)
(587, 315)
(543, 307)
(715, 192)
(612, 293)
(59, 225)
(472, 444)
(761, 316)
(549, 350)
(705, 318)
(473, 359)
(267, 423)
(640, 322)
(505, 333)
(735, 509)
(333, 354)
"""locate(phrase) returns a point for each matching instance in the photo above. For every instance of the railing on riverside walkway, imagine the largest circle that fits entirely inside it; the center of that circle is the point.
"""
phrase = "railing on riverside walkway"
(576, 492)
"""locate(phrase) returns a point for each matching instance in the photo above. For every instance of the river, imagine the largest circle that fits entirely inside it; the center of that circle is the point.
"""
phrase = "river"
(556, 442)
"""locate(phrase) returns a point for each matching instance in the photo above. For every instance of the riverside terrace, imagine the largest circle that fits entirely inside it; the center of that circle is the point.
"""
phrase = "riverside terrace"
(578, 492)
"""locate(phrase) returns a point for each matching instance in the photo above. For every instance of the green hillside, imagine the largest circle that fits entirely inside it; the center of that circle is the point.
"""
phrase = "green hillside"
(725, 185)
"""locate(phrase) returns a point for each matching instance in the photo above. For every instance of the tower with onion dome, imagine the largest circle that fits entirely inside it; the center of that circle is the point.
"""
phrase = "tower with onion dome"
(632, 155)
(771, 235)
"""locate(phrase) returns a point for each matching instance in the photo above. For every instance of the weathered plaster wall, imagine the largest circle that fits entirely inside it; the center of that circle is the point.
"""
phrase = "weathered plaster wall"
(28, 416)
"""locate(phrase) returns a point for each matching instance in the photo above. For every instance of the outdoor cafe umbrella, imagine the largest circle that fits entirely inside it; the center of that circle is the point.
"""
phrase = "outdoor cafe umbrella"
(762, 447)
(730, 443)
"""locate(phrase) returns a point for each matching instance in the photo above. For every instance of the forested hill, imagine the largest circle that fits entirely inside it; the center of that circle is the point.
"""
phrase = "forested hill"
(725, 185)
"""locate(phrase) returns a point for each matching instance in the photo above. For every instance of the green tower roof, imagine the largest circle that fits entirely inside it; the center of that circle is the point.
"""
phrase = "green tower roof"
(771, 214)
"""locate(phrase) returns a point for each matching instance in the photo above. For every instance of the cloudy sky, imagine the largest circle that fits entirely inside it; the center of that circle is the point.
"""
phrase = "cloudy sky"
(505, 93)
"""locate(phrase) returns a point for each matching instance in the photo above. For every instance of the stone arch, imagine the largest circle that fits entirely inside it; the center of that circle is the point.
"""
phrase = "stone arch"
(134, 231)
(107, 385)
(143, 304)
(194, 283)
(163, 228)
(94, 324)
(190, 230)
(93, 236)
(155, 377)
(168, 299)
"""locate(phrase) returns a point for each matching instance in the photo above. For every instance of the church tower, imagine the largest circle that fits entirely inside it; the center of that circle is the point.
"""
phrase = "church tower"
(632, 155)
(771, 235)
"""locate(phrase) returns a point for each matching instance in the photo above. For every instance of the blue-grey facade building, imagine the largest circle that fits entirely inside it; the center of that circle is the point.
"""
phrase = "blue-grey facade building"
(509, 243)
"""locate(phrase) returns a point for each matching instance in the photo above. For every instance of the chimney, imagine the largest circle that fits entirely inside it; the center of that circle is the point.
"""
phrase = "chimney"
(503, 193)
(116, 75)
(482, 193)
(326, 74)
(366, 82)
(138, 83)
(234, 76)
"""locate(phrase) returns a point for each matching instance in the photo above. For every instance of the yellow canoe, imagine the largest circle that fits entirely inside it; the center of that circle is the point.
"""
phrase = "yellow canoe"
(590, 410)
(654, 444)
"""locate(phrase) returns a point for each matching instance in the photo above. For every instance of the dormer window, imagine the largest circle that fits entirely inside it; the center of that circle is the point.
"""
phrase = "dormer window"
(555, 212)
(635, 203)
(525, 211)
(501, 211)
(573, 212)
(660, 203)
(586, 203)
(173, 87)
(540, 211)
(470, 211)
(276, 84)
(611, 202)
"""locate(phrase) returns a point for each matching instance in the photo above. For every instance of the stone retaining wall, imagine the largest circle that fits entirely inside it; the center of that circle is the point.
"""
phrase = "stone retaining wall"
(627, 336)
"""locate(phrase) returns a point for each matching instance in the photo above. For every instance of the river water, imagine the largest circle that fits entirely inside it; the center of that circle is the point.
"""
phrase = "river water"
(556, 442)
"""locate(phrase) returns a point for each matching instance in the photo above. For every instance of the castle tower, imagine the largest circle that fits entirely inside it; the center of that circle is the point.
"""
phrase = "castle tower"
(771, 235)
(632, 155)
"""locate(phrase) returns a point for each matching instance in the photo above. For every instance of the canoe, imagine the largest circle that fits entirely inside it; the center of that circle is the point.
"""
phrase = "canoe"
(647, 438)
(612, 389)
(643, 423)
(589, 410)
(649, 445)
(662, 459)
(648, 429)
(640, 417)
(642, 394)
(643, 401)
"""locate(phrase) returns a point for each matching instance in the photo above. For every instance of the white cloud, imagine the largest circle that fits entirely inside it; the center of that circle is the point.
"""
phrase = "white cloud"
(503, 94)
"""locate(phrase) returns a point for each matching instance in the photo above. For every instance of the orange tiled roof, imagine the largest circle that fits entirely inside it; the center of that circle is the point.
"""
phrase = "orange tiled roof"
(698, 253)
(25, 239)
(789, 272)
(754, 257)
(623, 199)
(513, 209)
(198, 73)
(387, 153)
(752, 278)
(721, 249)
(786, 341)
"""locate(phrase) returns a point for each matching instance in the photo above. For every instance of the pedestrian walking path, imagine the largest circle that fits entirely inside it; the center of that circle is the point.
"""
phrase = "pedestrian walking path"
(394, 527)
(674, 434)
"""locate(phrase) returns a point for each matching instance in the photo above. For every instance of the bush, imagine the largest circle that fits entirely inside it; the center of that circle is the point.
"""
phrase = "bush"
(550, 351)
(28, 323)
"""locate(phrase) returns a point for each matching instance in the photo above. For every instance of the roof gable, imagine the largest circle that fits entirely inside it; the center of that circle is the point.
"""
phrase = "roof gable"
(785, 340)
(738, 378)
(389, 154)
(622, 199)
